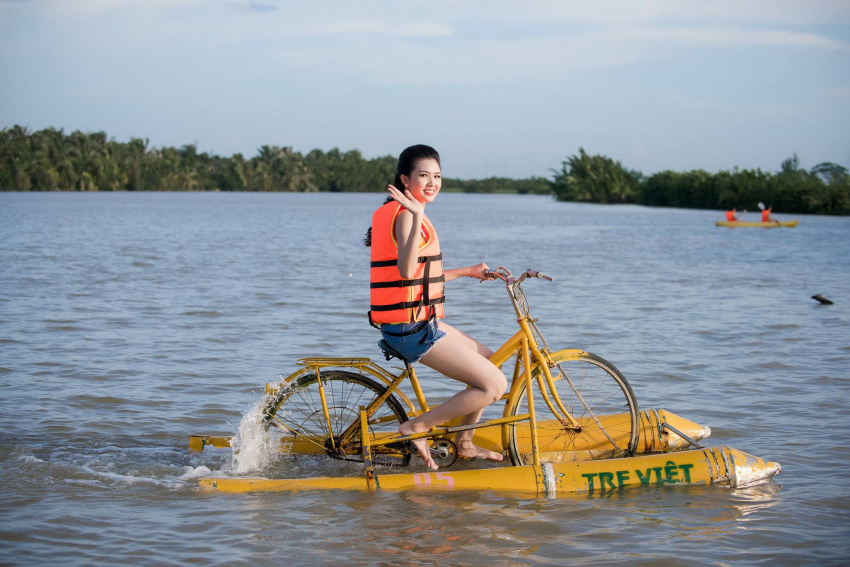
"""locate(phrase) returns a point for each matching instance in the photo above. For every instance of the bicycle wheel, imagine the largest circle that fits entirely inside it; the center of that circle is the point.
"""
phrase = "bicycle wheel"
(296, 410)
(597, 396)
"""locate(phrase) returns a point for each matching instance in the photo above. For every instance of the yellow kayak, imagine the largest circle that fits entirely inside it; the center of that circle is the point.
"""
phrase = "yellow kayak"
(742, 224)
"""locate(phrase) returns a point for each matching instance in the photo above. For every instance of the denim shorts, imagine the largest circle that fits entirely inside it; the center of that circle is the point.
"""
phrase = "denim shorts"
(413, 346)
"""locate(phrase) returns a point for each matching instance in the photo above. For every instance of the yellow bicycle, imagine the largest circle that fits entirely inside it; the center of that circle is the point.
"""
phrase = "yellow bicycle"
(564, 405)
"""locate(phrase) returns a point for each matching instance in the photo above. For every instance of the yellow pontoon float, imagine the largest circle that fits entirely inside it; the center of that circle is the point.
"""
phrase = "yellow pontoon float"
(723, 466)
(662, 460)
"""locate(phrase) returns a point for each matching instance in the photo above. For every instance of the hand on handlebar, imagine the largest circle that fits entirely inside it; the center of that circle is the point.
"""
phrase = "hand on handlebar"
(492, 275)
(480, 271)
(505, 275)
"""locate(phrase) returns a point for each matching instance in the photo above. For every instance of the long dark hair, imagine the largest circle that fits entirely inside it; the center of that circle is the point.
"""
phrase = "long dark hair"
(406, 163)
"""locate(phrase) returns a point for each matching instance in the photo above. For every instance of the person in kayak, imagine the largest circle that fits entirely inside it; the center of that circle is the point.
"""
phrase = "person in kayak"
(765, 215)
(731, 214)
(406, 289)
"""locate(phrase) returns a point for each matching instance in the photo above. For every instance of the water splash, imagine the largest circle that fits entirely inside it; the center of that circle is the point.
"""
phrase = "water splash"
(254, 446)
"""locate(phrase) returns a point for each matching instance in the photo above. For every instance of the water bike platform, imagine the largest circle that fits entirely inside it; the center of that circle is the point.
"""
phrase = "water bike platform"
(668, 453)
(706, 466)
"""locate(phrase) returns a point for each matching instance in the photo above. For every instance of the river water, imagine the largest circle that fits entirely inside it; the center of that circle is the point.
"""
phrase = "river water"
(130, 321)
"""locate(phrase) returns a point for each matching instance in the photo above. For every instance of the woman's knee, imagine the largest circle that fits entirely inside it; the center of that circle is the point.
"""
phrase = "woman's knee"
(496, 385)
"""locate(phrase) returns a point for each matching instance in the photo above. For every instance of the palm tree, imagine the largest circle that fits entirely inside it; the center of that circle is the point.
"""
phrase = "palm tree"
(595, 178)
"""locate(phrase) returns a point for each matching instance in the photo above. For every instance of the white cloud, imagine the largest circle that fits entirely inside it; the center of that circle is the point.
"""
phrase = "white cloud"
(382, 28)
(726, 37)
(253, 6)
(397, 62)
(94, 7)
(384, 57)
(631, 12)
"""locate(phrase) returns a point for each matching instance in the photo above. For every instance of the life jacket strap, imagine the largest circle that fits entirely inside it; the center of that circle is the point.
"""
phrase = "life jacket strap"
(407, 283)
(369, 315)
(408, 304)
(419, 260)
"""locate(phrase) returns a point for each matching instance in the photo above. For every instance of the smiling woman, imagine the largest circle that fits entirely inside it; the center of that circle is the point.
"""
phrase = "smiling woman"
(407, 298)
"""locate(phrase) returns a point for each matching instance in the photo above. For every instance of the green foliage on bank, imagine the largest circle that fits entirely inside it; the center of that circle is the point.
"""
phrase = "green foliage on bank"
(50, 160)
(596, 179)
(825, 189)
(534, 185)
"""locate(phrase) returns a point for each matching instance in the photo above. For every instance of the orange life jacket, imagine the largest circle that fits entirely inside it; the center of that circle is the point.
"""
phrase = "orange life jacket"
(730, 216)
(765, 216)
(394, 299)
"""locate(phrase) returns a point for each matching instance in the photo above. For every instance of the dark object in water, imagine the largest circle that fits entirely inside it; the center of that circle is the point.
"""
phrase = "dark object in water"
(822, 299)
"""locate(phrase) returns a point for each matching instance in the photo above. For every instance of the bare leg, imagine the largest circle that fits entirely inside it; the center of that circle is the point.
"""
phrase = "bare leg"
(462, 358)
(466, 449)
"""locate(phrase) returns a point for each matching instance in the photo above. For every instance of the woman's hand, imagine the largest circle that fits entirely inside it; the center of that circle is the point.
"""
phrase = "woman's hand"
(407, 231)
(477, 271)
(406, 200)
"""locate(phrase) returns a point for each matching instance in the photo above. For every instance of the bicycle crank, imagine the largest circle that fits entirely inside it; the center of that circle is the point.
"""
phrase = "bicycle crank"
(444, 452)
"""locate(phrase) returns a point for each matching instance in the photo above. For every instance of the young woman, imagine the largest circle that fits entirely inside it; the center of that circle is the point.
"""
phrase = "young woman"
(407, 301)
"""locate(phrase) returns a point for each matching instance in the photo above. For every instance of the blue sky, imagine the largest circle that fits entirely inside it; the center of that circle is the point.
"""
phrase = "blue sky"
(499, 88)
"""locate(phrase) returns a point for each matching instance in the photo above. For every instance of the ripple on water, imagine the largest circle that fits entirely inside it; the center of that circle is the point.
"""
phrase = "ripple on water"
(86, 400)
(777, 365)
(202, 313)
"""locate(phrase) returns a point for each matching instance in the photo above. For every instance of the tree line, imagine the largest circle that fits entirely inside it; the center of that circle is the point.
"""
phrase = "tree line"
(50, 160)
(824, 189)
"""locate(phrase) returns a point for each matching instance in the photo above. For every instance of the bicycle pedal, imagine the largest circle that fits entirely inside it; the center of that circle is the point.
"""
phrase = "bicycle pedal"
(444, 452)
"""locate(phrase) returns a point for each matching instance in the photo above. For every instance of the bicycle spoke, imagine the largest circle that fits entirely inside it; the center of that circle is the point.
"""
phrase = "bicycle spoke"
(315, 415)
(600, 401)
(296, 433)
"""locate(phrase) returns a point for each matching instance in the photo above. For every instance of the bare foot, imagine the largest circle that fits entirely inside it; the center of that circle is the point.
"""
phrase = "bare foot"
(469, 451)
(420, 444)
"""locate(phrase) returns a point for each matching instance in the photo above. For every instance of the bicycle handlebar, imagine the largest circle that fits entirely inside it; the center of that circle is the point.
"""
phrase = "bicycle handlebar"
(506, 276)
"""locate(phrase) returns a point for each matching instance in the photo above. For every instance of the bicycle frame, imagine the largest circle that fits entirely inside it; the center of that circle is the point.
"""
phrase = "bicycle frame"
(523, 344)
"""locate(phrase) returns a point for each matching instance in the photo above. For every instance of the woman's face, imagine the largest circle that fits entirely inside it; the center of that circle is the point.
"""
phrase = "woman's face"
(424, 181)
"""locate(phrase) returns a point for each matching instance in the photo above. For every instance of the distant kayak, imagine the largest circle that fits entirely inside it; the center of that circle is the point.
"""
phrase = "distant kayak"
(787, 224)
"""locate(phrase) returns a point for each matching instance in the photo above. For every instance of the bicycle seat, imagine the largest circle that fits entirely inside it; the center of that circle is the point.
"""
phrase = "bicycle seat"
(390, 352)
